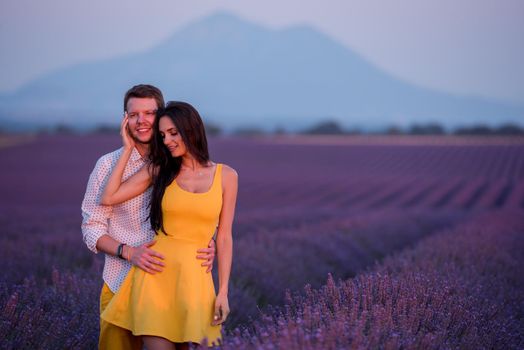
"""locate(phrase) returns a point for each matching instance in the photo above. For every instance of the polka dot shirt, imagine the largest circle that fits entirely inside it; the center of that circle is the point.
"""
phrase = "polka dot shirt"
(126, 222)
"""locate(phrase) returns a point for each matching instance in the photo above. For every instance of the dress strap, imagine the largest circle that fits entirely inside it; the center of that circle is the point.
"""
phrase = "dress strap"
(217, 179)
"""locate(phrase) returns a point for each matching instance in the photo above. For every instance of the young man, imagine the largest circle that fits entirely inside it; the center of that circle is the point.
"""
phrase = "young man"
(123, 231)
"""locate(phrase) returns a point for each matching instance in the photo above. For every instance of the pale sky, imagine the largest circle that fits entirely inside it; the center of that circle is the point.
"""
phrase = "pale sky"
(469, 47)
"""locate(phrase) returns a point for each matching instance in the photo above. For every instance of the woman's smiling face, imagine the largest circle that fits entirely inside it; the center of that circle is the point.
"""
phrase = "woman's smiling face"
(171, 137)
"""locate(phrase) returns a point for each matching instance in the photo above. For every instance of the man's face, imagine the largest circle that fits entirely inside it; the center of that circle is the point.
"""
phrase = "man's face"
(141, 113)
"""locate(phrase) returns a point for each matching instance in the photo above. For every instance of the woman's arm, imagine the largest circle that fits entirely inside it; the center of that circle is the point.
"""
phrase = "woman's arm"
(116, 191)
(225, 242)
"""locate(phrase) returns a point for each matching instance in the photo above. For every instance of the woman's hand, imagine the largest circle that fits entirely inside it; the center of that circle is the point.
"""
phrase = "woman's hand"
(127, 140)
(221, 309)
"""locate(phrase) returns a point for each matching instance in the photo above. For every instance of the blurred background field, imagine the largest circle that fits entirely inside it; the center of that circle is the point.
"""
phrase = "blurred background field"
(443, 213)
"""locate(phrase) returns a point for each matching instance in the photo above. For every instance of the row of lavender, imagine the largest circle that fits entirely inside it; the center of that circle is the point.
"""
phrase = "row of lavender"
(269, 260)
(460, 288)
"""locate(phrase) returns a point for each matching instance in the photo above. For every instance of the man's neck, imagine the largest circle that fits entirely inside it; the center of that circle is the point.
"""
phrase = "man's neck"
(143, 149)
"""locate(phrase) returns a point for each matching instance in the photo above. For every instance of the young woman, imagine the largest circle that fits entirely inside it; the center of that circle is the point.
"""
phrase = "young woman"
(192, 199)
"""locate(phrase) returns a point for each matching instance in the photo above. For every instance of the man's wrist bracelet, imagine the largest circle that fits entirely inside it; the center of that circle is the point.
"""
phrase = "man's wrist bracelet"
(120, 250)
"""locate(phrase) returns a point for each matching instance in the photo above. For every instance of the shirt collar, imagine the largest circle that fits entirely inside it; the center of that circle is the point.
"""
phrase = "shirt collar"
(136, 157)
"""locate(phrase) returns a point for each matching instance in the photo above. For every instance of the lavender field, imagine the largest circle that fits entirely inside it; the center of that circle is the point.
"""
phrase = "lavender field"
(379, 242)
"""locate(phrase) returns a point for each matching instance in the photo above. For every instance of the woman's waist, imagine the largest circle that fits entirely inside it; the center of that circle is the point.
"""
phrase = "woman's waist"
(179, 252)
(184, 240)
(194, 233)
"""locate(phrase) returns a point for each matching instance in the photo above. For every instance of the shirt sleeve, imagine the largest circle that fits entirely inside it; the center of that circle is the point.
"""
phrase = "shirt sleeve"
(95, 217)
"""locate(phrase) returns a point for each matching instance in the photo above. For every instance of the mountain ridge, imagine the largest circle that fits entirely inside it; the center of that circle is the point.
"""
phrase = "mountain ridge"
(237, 73)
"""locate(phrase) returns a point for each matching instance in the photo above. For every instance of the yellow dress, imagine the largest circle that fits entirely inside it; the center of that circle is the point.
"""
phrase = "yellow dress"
(177, 303)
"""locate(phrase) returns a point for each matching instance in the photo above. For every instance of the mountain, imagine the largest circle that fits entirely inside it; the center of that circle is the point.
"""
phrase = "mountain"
(240, 74)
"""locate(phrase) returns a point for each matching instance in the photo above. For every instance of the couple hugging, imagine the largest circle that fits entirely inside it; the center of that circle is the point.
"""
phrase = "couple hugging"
(155, 208)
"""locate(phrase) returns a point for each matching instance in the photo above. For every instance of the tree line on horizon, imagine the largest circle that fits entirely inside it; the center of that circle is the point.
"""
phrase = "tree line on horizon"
(325, 127)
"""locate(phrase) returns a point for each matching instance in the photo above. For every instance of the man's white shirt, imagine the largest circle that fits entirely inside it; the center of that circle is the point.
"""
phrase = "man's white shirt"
(126, 222)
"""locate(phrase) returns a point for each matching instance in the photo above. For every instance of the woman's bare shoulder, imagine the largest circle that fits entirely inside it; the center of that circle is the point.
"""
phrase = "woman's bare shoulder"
(229, 174)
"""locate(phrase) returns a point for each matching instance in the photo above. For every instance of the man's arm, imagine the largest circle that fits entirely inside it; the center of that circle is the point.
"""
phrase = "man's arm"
(95, 217)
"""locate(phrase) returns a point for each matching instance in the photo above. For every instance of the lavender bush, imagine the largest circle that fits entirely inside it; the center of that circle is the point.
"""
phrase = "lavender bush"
(62, 314)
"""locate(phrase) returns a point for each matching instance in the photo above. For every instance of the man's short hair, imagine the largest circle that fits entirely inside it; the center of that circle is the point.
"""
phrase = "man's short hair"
(145, 91)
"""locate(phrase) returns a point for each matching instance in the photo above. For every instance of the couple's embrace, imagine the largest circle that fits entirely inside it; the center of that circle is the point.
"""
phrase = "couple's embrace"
(154, 207)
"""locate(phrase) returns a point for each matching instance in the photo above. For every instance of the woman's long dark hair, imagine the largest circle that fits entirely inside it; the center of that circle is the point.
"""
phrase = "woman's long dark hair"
(165, 167)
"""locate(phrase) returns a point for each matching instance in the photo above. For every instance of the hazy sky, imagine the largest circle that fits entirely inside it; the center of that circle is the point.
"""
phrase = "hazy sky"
(472, 47)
